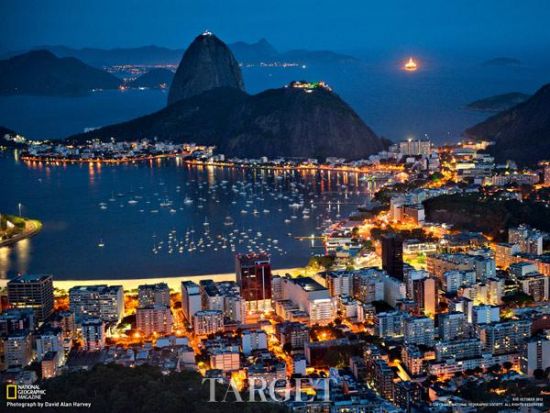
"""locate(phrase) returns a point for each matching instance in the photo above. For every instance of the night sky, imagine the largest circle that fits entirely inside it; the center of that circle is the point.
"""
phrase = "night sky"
(495, 25)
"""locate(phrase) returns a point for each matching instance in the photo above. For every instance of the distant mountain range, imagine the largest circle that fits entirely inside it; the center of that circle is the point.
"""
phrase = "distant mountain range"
(245, 53)
(498, 103)
(40, 72)
(208, 105)
(521, 133)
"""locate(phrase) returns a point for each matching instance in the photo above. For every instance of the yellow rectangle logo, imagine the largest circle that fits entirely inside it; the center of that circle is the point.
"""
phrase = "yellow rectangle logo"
(11, 392)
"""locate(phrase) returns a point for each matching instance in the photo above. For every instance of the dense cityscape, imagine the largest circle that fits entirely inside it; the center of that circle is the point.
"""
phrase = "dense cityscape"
(283, 207)
(401, 314)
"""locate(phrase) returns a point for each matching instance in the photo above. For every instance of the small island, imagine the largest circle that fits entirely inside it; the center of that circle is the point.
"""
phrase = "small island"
(14, 228)
(498, 103)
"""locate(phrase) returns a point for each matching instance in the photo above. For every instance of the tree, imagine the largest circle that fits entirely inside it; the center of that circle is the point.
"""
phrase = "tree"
(539, 374)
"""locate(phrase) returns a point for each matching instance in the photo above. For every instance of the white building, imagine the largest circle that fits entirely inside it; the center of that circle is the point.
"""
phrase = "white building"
(208, 322)
(253, 340)
(190, 299)
(97, 301)
(536, 355)
(485, 314)
(310, 296)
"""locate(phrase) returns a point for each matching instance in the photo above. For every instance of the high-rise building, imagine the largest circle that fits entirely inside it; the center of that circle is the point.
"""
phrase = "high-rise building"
(529, 239)
(254, 279)
(32, 291)
(504, 337)
(392, 255)
(296, 335)
(439, 264)
(224, 296)
(310, 296)
(18, 349)
(93, 333)
(154, 294)
(419, 330)
(535, 355)
(485, 314)
(458, 349)
(453, 280)
(368, 285)
(154, 319)
(253, 340)
(423, 291)
(190, 300)
(207, 322)
(97, 301)
(383, 379)
(536, 285)
(48, 339)
(389, 324)
(452, 325)
(65, 320)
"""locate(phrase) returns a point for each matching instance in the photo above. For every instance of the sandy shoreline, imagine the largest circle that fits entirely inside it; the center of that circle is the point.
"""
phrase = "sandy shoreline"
(174, 283)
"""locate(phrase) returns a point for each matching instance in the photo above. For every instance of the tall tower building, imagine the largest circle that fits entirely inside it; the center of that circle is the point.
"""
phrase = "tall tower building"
(190, 300)
(254, 279)
(392, 255)
(34, 292)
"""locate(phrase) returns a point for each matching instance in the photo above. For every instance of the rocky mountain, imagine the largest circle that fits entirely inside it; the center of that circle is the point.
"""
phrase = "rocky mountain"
(289, 121)
(207, 105)
(144, 55)
(158, 78)
(206, 64)
(498, 103)
(261, 51)
(42, 73)
(521, 133)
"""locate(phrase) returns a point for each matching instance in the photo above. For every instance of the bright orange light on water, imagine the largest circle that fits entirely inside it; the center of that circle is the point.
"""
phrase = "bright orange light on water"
(411, 65)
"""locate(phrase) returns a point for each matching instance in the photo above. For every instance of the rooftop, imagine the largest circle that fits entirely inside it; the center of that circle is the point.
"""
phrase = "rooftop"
(308, 284)
(29, 278)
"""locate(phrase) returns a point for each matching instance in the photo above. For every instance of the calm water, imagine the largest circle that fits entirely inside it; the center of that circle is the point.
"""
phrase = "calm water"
(394, 103)
(165, 218)
(83, 207)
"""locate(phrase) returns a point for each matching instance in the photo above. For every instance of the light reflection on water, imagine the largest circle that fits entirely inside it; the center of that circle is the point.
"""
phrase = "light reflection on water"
(138, 212)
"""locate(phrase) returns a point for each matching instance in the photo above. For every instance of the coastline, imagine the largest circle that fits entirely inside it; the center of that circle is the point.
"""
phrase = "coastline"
(174, 283)
(32, 227)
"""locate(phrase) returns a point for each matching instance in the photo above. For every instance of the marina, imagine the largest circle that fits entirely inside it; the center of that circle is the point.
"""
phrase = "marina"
(173, 218)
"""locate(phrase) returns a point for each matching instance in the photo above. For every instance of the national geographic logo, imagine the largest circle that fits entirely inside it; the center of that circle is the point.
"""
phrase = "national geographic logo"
(24, 392)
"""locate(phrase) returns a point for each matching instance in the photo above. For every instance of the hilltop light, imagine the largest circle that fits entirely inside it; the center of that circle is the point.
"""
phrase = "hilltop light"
(411, 65)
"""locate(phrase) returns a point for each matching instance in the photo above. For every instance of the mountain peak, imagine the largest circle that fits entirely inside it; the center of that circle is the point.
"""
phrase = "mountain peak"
(206, 64)
(520, 133)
